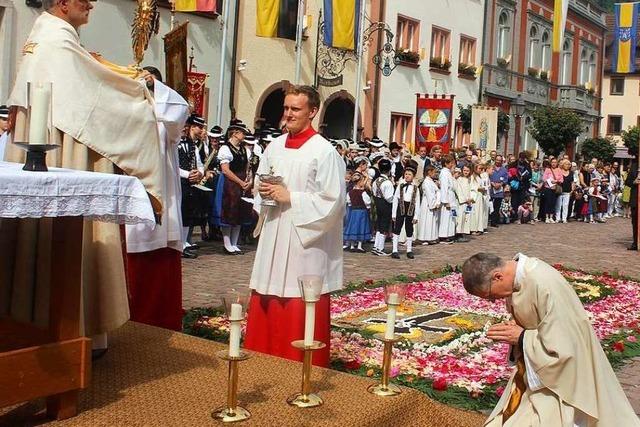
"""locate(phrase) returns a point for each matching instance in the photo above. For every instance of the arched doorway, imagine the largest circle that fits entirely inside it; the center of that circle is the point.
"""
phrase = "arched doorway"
(337, 116)
(271, 105)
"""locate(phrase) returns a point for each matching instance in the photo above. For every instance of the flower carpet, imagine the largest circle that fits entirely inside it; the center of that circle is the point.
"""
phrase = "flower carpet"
(445, 352)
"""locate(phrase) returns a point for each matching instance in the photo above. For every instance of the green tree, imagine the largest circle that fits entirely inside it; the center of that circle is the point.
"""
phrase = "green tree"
(554, 128)
(600, 148)
(465, 120)
(630, 138)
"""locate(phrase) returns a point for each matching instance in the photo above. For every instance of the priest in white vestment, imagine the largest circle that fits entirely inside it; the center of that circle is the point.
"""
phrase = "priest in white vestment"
(103, 122)
(562, 376)
(302, 235)
(154, 261)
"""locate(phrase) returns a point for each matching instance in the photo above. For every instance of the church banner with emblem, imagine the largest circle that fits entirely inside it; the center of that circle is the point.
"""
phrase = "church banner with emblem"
(484, 127)
(433, 121)
(175, 51)
(196, 88)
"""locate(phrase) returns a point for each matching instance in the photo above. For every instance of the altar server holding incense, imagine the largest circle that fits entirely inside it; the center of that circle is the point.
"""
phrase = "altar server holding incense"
(301, 235)
(561, 376)
(103, 121)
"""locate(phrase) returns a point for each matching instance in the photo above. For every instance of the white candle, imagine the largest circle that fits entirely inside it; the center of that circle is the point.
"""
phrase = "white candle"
(392, 300)
(39, 122)
(235, 330)
(309, 323)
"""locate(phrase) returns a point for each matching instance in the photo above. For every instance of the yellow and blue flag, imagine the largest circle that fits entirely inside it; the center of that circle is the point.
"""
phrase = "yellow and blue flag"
(625, 37)
(341, 23)
(560, 11)
(277, 18)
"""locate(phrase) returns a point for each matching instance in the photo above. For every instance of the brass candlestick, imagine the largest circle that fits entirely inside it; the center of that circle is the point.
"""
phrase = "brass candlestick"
(385, 388)
(232, 413)
(306, 399)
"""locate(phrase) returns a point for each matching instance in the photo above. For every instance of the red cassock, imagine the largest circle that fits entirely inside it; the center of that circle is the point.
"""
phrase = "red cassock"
(274, 322)
(154, 279)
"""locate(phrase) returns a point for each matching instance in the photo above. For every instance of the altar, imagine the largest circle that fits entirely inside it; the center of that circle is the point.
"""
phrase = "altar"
(52, 359)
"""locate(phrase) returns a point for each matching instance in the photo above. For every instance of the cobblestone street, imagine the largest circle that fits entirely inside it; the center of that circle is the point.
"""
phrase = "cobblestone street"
(588, 246)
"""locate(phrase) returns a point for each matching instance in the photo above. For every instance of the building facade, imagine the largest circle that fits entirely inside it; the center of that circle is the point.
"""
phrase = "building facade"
(108, 33)
(620, 95)
(518, 61)
(266, 67)
(440, 51)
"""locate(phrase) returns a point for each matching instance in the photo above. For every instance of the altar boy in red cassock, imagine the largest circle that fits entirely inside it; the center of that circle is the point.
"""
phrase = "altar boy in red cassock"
(302, 235)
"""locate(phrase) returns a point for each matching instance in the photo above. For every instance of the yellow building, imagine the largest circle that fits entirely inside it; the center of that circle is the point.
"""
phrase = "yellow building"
(265, 67)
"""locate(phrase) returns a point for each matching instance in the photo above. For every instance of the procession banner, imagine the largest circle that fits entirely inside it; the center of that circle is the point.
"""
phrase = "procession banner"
(195, 5)
(195, 90)
(175, 51)
(560, 10)
(433, 121)
(484, 127)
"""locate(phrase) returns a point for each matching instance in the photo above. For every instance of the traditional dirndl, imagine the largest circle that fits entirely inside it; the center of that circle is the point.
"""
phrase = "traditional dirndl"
(358, 226)
(228, 208)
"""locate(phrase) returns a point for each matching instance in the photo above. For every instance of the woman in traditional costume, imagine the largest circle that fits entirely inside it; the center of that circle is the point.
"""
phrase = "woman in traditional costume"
(231, 211)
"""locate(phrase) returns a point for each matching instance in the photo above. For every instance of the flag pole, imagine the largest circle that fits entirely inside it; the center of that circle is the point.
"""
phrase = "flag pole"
(360, 54)
(223, 59)
(299, 29)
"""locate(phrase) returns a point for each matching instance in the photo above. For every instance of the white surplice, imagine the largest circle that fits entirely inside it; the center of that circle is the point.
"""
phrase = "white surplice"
(463, 193)
(171, 111)
(428, 226)
(305, 236)
(447, 226)
(476, 220)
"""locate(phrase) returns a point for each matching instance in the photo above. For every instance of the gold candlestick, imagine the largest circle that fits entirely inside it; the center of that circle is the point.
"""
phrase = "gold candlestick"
(306, 399)
(385, 388)
(232, 413)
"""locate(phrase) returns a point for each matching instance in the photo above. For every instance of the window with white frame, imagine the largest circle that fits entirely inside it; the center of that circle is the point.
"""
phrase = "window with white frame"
(407, 34)
(533, 47)
(584, 67)
(545, 62)
(566, 63)
(503, 35)
(592, 68)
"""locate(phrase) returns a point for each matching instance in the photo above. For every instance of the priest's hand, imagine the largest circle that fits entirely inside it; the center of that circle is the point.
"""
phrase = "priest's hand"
(507, 332)
(276, 192)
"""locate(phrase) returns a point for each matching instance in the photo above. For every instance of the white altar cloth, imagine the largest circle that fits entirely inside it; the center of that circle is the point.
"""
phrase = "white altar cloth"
(65, 192)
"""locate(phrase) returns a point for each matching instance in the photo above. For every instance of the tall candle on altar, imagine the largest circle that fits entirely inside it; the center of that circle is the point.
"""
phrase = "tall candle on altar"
(40, 103)
(393, 300)
(235, 317)
(309, 323)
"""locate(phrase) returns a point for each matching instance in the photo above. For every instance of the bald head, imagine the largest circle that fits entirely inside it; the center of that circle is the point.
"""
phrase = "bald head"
(75, 12)
(477, 271)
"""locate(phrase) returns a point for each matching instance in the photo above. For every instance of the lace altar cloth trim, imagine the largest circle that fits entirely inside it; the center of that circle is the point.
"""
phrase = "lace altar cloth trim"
(63, 192)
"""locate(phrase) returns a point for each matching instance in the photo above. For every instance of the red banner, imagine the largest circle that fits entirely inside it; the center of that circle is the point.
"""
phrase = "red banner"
(195, 92)
(433, 121)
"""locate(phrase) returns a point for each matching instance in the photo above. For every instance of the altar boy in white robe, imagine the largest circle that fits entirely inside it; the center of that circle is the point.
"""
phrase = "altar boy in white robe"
(448, 202)
(562, 377)
(428, 226)
(302, 235)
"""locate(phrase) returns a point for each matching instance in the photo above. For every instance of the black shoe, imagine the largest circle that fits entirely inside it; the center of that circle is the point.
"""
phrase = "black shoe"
(239, 252)
(632, 248)
(193, 246)
(410, 255)
(186, 253)
(395, 255)
(361, 251)
(98, 353)
(229, 252)
(462, 240)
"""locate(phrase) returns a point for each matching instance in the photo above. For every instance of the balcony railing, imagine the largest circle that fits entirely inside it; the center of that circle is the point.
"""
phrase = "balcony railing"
(503, 82)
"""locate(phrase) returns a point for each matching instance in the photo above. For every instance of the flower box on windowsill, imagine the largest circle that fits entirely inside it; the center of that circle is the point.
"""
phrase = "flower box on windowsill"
(409, 64)
(440, 64)
(407, 55)
(467, 71)
(502, 63)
